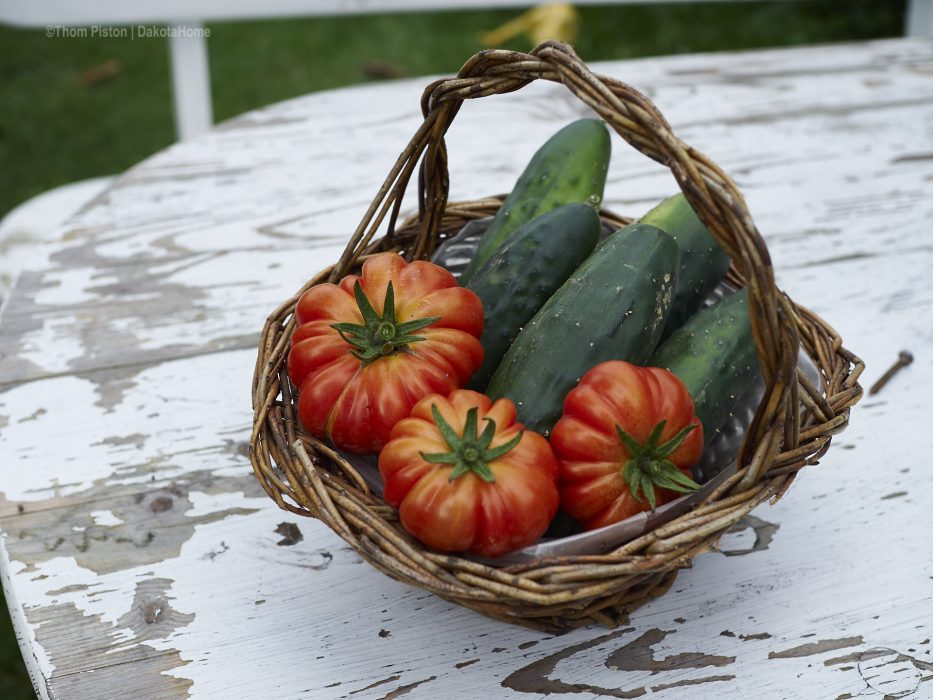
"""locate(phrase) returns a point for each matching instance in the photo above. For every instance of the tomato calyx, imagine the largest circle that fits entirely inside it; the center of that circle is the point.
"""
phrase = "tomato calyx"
(379, 336)
(648, 467)
(470, 452)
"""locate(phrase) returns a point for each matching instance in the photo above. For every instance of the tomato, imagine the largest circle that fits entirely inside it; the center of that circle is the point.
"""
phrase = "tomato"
(625, 443)
(367, 349)
(466, 477)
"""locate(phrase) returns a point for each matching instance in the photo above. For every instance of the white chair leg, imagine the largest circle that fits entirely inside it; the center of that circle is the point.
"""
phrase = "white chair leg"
(919, 18)
(191, 80)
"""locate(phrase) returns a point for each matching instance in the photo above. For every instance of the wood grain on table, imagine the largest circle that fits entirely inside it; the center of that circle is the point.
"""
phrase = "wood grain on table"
(141, 559)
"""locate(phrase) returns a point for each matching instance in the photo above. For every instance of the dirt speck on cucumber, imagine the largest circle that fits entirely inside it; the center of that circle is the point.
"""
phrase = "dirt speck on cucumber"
(703, 263)
(714, 355)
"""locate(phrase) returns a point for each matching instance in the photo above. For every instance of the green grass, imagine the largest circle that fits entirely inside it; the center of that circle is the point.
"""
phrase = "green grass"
(54, 129)
(14, 683)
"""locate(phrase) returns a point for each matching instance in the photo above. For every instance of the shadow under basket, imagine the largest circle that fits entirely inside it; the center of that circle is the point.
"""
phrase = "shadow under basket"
(792, 426)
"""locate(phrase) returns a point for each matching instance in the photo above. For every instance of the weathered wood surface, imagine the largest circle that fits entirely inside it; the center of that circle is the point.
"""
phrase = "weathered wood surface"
(140, 558)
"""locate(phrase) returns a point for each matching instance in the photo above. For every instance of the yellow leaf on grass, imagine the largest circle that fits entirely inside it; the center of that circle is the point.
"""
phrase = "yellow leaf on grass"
(551, 21)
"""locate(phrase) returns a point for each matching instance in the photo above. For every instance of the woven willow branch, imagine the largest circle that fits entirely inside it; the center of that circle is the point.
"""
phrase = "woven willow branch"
(792, 427)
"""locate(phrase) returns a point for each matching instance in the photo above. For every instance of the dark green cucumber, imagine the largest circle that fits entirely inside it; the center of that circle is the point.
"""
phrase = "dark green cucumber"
(703, 263)
(714, 355)
(613, 307)
(570, 167)
(525, 271)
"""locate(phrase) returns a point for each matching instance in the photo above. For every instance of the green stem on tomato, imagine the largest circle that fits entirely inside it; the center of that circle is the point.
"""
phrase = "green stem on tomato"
(469, 452)
(379, 336)
(648, 467)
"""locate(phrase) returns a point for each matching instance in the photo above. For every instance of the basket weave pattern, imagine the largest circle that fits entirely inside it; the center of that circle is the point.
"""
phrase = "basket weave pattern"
(792, 427)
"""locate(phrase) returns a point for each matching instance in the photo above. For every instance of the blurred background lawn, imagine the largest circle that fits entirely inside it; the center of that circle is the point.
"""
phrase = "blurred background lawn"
(81, 107)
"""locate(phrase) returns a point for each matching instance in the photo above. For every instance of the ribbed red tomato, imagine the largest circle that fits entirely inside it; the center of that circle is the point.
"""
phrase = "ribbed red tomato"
(625, 443)
(367, 349)
(466, 477)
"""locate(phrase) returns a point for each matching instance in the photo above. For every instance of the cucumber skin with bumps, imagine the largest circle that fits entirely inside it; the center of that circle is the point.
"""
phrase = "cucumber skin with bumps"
(703, 263)
(612, 308)
(524, 272)
(570, 167)
(713, 354)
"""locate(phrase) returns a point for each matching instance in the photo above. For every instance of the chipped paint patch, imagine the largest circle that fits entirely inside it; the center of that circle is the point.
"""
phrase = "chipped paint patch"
(637, 656)
(813, 648)
(406, 689)
(735, 542)
(151, 615)
(113, 387)
(67, 287)
(376, 684)
(43, 347)
(142, 526)
(78, 642)
(73, 588)
(290, 533)
(690, 681)
(846, 659)
(536, 677)
(635, 659)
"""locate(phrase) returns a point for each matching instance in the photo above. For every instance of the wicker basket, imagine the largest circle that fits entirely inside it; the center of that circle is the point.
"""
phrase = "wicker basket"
(792, 427)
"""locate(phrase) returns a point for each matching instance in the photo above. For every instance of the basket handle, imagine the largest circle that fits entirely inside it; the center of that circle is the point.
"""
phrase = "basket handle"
(711, 193)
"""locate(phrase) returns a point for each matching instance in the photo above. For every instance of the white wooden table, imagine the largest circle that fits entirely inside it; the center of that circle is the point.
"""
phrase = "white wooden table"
(141, 560)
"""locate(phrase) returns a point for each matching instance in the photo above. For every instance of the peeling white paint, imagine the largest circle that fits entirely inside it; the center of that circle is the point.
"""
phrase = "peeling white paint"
(166, 423)
(105, 518)
(51, 346)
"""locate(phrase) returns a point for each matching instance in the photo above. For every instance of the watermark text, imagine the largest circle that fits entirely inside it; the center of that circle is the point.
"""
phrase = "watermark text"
(137, 31)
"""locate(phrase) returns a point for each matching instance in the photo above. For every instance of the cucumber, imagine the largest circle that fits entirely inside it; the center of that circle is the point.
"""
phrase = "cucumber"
(570, 167)
(613, 307)
(525, 271)
(714, 355)
(703, 263)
